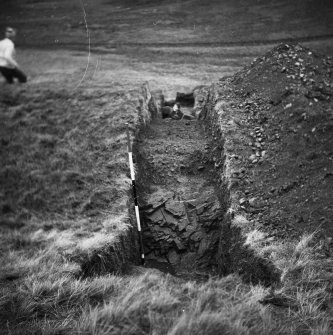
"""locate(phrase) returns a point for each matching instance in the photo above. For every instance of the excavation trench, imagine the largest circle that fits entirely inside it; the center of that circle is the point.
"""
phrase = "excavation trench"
(184, 199)
(178, 197)
(189, 224)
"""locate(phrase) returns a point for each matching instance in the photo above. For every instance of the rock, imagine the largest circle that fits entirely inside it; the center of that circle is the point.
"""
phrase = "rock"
(164, 238)
(201, 209)
(182, 224)
(156, 216)
(179, 245)
(256, 203)
(242, 201)
(188, 117)
(189, 231)
(198, 236)
(157, 199)
(170, 220)
(193, 203)
(205, 245)
(175, 207)
(161, 231)
(173, 257)
(200, 168)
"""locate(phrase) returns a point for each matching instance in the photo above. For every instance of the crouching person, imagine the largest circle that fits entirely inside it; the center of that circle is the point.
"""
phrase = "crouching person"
(173, 113)
(177, 114)
(8, 65)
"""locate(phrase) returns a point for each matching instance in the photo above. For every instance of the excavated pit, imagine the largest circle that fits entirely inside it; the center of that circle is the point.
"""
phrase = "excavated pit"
(184, 201)
(178, 197)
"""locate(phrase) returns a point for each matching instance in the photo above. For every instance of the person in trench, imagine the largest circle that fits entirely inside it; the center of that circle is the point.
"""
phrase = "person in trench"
(177, 114)
(173, 113)
(9, 68)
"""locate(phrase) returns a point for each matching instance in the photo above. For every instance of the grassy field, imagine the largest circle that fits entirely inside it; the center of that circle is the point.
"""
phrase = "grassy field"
(64, 177)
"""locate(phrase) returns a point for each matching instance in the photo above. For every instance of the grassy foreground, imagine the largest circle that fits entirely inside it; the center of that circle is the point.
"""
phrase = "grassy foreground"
(51, 300)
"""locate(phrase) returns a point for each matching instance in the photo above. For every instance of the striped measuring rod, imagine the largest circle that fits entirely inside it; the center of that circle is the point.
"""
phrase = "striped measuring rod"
(137, 213)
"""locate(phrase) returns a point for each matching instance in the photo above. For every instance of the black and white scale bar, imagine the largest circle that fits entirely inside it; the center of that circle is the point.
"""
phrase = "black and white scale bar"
(137, 213)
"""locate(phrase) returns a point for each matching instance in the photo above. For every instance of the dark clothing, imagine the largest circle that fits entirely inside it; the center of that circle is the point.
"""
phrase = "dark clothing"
(10, 74)
(169, 112)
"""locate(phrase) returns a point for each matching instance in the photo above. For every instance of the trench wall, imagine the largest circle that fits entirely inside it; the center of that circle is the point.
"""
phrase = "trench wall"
(147, 110)
(120, 255)
(234, 254)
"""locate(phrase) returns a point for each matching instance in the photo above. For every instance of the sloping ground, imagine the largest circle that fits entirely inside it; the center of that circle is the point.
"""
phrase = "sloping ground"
(64, 193)
(114, 23)
(291, 91)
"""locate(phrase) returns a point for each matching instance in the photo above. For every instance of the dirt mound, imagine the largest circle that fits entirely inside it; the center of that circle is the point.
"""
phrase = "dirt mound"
(282, 169)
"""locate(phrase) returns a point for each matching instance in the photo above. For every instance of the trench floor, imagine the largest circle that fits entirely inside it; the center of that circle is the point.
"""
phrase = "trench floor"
(180, 207)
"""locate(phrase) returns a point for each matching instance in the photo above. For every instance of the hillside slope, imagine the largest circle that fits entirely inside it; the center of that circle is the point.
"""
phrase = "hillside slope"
(113, 22)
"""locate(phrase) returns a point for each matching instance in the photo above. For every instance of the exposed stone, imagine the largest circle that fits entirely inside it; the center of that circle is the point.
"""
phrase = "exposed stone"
(173, 257)
(203, 246)
(193, 202)
(198, 236)
(156, 216)
(169, 219)
(242, 201)
(182, 224)
(189, 231)
(256, 203)
(201, 209)
(179, 245)
(157, 199)
(160, 231)
(164, 237)
(175, 207)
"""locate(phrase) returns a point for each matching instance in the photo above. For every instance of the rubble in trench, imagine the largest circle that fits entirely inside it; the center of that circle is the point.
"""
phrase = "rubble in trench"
(181, 211)
(183, 231)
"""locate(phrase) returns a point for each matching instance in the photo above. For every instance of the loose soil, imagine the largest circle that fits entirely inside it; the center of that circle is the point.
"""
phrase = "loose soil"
(286, 99)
